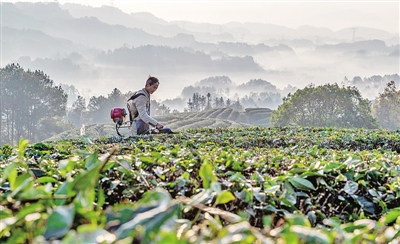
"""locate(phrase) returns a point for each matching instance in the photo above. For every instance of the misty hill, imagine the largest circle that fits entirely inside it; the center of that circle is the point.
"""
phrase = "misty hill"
(370, 45)
(59, 23)
(216, 81)
(253, 93)
(97, 49)
(19, 43)
(369, 85)
(214, 118)
(258, 85)
(87, 25)
(90, 31)
(163, 58)
(230, 32)
(100, 46)
(114, 16)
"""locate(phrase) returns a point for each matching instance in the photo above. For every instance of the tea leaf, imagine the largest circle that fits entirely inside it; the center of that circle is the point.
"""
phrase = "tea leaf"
(59, 222)
(301, 183)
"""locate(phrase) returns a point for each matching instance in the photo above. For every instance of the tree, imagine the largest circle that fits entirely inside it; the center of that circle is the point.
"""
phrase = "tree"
(208, 101)
(387, 107)
(159, 109)
(202, 101)
(221, 102)
(75, 115)
(236, 105)
(325, 106)
(197, 103)
(228, 103)
(99, 108)
(96, 111)
(190, 105)
(72, 93)
(29, 99)
(216, 102)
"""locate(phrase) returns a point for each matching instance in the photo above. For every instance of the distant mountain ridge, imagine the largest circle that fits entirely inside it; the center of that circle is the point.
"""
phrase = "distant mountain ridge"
(88, 30)
(98, 49)
(108, 27)
(155, 27)
(115, 16)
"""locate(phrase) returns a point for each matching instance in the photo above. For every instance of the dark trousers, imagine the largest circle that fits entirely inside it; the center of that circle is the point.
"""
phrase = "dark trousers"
(142, 128)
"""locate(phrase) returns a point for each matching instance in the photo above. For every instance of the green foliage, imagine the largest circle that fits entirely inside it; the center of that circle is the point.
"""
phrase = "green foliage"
(29, 101)
(207, 175)
(59, 222)
(387, 107)
(5, 151)
(99, 107)
(76, 113)
(325, 106)
(267, 185)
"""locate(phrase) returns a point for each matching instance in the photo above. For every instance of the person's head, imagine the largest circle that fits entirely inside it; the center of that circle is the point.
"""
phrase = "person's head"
(151, 84)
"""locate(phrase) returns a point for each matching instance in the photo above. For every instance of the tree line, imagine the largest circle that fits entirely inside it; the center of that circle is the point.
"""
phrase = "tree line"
(32, 107)
(333, 106)
(323, 106)
(200, 102)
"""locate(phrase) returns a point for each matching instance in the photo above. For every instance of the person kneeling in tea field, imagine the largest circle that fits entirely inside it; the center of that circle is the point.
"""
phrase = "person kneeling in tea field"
(139, 110)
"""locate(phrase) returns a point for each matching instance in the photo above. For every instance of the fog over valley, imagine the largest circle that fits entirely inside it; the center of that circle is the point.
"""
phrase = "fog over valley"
(98, 48)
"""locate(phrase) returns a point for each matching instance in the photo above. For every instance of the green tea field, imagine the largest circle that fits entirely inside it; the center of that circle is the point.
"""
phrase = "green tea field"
(248, 184)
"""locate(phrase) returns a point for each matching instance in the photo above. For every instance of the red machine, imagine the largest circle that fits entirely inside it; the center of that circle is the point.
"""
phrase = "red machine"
(118, 117)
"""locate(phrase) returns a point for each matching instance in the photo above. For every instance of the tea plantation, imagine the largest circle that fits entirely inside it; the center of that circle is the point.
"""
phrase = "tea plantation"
(213, 185)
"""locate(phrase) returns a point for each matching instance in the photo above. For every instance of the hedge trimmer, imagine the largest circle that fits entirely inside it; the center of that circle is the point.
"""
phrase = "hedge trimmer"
(118, 116)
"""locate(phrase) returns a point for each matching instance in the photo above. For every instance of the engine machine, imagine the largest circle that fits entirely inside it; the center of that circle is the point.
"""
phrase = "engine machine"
(118, 116)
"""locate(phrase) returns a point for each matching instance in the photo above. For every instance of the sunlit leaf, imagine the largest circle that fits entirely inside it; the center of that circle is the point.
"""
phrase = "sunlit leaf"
(260, 196)
(392, 216)
(225, 197)
(47, 179)
(59, 222)
(21, 147)
(91, 160)
(10, 173)
(351, 187)
(309, 235)
(301, 183)
(207, 175)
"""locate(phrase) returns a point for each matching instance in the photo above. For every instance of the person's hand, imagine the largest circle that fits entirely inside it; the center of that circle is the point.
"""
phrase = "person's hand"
(159, 126)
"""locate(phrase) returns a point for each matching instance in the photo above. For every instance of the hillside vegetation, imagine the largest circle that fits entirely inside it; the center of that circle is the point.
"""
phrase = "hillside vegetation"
(213, 118)
(231, 185)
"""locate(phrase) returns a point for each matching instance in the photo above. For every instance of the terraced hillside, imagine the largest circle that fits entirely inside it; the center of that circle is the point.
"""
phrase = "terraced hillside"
(214, 118)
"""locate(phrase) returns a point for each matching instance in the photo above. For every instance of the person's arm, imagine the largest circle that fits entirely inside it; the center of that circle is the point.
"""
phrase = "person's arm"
(140, 103)
(159, 126)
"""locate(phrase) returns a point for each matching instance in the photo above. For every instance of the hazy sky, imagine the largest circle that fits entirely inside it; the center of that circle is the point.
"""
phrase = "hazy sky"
(332, 14)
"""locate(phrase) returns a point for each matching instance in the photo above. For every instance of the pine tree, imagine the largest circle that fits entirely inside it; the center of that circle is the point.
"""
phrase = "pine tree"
(29, 100)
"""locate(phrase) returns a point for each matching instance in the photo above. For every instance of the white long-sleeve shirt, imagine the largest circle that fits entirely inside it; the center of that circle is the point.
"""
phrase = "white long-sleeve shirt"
(140, 108)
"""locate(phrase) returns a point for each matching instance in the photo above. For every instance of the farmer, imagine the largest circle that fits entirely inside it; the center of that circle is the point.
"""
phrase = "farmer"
(139, 109)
